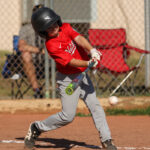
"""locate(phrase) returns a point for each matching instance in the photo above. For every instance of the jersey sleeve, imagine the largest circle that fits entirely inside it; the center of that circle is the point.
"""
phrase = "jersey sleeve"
(72, 32)
(59, 55)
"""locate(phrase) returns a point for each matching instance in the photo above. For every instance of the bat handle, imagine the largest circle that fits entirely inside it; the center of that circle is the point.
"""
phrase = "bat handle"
(91, 64)
(70, 89)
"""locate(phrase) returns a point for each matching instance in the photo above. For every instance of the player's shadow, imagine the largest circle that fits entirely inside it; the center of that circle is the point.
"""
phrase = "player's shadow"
(64, 144)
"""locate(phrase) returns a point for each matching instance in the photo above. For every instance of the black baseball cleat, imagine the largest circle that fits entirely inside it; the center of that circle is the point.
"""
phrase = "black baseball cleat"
(31, 136)
(108, 145)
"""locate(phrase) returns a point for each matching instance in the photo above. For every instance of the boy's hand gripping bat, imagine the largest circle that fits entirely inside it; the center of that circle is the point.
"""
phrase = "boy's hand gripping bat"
(77, 81)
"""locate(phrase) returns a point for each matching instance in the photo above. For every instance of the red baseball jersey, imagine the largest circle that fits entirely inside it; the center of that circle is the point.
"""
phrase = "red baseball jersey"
(63, 49)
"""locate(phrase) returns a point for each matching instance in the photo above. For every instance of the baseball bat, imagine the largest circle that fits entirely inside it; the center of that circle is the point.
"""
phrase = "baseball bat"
(77, 81)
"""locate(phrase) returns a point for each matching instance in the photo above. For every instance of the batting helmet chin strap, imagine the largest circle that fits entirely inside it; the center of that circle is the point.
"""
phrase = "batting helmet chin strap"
(44, 18)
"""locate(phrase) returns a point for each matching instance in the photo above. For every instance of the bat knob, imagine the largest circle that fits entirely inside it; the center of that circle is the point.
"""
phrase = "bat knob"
(69, 90)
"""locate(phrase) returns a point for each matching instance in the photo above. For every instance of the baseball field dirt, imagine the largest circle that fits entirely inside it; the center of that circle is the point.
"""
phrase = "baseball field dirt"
(128, 132)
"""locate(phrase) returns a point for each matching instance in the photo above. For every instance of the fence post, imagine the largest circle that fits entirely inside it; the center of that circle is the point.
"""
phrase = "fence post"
(147, 42)
(53, 78)
(24, 10)
(53, 66)
(47, 3)
(46, 75)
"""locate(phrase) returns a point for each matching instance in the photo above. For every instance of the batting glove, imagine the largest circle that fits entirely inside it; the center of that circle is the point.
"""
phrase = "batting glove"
(96, 63)
(95, 54)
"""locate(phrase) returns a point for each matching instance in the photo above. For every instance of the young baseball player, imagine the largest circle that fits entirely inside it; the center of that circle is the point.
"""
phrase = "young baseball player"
(69, 50)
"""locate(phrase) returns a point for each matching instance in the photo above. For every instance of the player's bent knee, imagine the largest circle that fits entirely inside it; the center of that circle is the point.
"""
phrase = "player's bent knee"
(67, 118)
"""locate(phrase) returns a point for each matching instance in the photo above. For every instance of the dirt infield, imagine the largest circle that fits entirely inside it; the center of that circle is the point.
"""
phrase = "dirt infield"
(52, 106)
(128, 132)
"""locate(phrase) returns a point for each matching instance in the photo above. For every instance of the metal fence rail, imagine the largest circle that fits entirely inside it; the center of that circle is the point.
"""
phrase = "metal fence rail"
(83, 15)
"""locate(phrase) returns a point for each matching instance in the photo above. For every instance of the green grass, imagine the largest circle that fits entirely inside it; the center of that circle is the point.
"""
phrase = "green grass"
(130, 112)
(117, 111)
(83, 115)
(5, 83)
(3, 58)
(4, 52)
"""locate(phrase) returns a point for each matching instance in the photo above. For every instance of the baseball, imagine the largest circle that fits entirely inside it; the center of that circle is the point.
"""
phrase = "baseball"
(113, 100)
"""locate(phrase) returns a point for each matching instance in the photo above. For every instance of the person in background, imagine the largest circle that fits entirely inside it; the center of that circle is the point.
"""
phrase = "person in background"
(31, 44)
(70, 51)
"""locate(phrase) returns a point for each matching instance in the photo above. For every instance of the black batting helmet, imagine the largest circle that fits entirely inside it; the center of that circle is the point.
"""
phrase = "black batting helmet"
(44, 18)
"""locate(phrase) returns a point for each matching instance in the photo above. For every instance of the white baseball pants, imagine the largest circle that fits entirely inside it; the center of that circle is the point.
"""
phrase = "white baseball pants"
(69, 104)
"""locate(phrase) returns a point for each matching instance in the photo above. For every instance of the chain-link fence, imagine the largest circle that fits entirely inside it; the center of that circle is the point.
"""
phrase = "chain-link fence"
(118, 28)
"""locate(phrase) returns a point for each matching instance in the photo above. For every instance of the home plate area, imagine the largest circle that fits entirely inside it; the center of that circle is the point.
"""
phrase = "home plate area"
(77, 146)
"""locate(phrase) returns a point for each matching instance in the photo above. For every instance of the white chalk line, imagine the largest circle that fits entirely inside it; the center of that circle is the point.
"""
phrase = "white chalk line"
(88, 146)
(11, 141)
